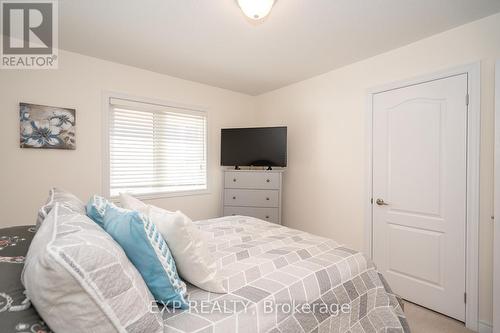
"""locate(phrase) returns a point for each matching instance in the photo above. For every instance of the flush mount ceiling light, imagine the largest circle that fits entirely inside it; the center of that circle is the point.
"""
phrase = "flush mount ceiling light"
(256, 9)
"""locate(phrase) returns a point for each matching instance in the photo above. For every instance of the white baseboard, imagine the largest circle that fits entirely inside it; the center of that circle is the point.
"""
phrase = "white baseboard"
(485, 327)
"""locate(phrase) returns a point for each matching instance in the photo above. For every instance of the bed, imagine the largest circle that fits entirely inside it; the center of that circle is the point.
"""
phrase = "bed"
(269, 269)
(278, 280)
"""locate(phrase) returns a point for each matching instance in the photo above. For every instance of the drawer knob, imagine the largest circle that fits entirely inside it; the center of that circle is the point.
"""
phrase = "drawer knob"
(234, 179)
(268, 180)
(267, 216)
(267, 199)
(234, 198)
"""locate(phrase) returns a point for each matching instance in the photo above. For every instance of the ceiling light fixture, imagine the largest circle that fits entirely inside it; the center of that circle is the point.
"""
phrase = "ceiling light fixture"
(256, 9)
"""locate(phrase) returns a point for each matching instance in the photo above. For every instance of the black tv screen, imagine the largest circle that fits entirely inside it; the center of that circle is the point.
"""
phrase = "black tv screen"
(258, 146)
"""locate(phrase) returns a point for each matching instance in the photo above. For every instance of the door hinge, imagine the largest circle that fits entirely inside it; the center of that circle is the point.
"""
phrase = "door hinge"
(465, 297)
(467, 99)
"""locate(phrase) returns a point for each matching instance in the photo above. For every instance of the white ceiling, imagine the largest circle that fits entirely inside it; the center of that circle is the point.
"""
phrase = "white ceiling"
(210, 41)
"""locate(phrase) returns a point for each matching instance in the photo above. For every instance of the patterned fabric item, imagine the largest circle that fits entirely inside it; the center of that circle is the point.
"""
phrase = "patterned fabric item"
(96, 207)
(16, 312)
(145, 247)
(273, 274)
(189, 248)
(57, 195)
(80, 280)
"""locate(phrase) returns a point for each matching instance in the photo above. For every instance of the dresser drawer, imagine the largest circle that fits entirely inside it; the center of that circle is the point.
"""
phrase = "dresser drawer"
(251, 198)
(266, 214)
(252, 180)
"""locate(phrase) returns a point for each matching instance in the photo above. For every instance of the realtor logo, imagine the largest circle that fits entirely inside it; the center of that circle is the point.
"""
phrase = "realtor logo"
(29, 35)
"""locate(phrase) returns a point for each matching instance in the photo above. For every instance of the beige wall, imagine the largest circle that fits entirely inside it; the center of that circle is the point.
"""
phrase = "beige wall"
(324, 184)
(27, 174)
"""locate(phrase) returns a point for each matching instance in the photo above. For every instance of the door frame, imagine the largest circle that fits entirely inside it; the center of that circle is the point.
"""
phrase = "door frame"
(496, 203)
(473, 72)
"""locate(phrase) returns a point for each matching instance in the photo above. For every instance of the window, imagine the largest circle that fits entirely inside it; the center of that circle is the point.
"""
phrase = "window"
(155, 149)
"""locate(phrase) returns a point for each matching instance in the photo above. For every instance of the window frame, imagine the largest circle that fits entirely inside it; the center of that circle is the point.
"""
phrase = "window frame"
(105, 165)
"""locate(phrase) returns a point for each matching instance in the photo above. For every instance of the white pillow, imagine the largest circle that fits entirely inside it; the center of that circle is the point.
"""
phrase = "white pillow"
(80, 280)
(129, 202)
(194, 262)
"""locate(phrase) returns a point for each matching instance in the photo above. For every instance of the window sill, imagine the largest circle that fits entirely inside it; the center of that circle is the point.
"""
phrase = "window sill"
(163, 195)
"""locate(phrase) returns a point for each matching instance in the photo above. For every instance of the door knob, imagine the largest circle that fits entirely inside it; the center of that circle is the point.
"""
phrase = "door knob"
(381, 202)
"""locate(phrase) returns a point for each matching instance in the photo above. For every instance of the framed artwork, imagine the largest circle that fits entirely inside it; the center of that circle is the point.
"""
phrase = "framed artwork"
(47, 127)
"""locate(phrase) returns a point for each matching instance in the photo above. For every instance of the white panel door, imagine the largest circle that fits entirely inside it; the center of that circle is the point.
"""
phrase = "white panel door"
(419, 192)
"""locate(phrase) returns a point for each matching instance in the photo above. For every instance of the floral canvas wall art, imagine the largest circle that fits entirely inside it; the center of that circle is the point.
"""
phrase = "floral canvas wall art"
(47, 127)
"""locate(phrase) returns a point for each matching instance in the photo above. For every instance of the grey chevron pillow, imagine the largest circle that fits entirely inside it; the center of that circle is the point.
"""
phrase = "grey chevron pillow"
(58, 195)
(80, 280)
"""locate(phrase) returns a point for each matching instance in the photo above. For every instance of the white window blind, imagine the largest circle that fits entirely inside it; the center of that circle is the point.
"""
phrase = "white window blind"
(156, 149)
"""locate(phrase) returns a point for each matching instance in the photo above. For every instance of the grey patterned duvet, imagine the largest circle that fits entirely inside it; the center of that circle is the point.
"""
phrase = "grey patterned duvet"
(279, 280)
(16, 313)
(284, 280)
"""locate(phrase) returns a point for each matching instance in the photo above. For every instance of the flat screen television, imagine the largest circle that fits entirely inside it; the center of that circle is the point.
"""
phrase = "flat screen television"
(256, 146)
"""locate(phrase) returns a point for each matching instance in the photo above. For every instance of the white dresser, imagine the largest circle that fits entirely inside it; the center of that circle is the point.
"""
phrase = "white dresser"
(254, 193)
